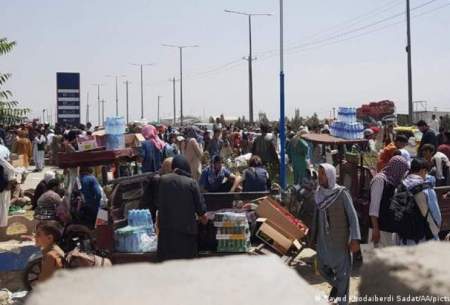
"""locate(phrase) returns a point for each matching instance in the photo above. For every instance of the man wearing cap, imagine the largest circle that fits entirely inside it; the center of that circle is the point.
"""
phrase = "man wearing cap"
(216, 178)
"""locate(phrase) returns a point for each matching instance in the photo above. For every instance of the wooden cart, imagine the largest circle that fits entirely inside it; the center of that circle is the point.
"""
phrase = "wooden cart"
(99, 157)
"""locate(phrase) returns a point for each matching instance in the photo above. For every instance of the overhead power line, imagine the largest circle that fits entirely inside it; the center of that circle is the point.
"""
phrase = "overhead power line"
(341, 38)
(338, 37)
(346, 24)
(361, 28)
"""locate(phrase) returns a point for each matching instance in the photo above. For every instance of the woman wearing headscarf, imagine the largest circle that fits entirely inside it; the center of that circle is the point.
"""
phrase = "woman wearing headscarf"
(179, 203)
(335, 232)
(151, 150)
(193, 152)
(382, 188)
(298, 153)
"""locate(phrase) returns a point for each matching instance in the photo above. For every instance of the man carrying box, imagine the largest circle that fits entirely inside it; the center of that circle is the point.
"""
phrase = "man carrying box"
(335, 232)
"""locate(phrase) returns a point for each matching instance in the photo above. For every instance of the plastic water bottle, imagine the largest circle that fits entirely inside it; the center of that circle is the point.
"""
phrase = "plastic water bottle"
(140, 223)
(130, 218)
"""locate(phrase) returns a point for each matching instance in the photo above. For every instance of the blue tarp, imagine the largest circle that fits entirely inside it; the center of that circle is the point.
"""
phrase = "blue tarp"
(18, 258)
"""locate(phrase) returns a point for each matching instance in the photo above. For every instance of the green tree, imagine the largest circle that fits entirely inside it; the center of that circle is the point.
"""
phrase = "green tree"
(296, 121)
(313, 122)
(9, 112)
(263, 118)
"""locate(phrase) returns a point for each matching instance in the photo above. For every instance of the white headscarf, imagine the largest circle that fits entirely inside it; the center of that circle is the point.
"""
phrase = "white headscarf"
(326, 196)
(49, 176)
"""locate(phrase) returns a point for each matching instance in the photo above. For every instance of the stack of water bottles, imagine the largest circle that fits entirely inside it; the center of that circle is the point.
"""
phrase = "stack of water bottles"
(346, 126)
(139, 236)
(115, 133)
(233, 232)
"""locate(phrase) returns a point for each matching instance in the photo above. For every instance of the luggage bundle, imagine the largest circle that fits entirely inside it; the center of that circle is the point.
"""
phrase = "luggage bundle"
(376, 110)
(233, 232)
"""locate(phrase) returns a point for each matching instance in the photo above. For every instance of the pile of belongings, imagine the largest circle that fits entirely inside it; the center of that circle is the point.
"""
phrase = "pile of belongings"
(233, 232)
(376, 110)
(139, 236)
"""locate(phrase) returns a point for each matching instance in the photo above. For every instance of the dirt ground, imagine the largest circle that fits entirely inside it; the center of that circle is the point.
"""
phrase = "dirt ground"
(305, 269)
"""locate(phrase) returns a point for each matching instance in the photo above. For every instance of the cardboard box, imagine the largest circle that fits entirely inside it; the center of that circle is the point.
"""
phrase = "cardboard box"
(134, 139)
(274, 236)
(86, 143)
(281, 218)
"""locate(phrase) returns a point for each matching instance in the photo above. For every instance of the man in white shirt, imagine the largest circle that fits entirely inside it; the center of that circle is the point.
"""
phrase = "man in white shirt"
(5, 194)
(50, 136)
(434, 124)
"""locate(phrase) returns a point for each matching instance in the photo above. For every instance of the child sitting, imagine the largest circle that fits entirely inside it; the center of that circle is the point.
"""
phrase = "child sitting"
(47, 234)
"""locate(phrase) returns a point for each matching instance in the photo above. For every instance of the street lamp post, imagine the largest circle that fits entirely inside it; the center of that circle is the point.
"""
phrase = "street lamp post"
(174, 102)
(98, 103)
(43, 116)
(142, 86)
(250, 58)
(181, 73)
(159, 105)
(408, 50)
(103, 112)
(282, 105)
(87, 107)
(117, 91)
(126, 100)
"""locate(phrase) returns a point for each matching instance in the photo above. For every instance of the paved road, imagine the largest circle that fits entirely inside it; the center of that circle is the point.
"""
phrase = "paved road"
(33, 179)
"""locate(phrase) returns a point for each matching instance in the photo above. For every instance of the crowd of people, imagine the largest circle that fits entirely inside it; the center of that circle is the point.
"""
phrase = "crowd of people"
(414, 176)
(207, 152)
(191, 161)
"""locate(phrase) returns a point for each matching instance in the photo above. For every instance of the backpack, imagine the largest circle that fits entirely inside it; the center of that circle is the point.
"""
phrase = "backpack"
(3, 180)
(409, 223)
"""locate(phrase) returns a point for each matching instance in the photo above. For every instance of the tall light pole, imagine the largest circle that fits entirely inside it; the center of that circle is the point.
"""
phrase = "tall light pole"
(117, 91)
(181, 73)
(174, 101)
(282, 105)
(98, 102)
(103, 112)
(87, 107)
(126, 100)
(159, 105)
(43, 115)
(142, 86)
(250, 58)
(408, 50)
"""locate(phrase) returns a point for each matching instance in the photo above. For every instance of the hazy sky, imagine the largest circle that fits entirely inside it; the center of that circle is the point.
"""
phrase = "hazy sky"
(349, 52)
